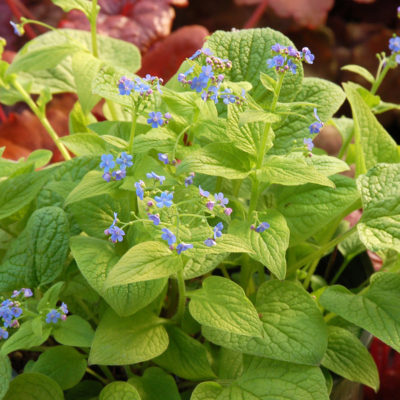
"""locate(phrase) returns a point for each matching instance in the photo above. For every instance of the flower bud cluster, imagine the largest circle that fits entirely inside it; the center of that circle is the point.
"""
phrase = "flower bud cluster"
(144, 87)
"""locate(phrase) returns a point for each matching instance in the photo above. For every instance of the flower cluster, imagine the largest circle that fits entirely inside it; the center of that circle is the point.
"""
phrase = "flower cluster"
(156, 119)
(115, 232)
(260, 228)
(314, 128)
(10, 311)
(144, 87)
(54, 315)
(394, 46)
(217, 232)
(219, 200)
(124, 161)
(209, 81)
(287, 57)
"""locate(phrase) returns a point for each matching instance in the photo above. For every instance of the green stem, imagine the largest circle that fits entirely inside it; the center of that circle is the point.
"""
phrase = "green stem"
(380, 75)
(87, 310)
(97, 376)
(341, 269)
(132, 134)
(321, 251)
(43, 119)
(106, 371)
(93, 29)
(310, 272)
(178, 138)
(182, 295)
(262, 149)
(33, 22)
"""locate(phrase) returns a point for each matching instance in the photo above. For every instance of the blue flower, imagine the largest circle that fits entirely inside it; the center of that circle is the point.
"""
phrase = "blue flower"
(277, 48)
(262, 227)
(195, 54)
(163, 158)
(198, 84)
(394, 44)
(182, 76)
(153, 175)
(293, 66)
(315, 127)
(165, 200)
(219, 198)
(155, 119)
(3, 334)
(291, 51)
(206, 72)
(227, 96)
(276, 61)
(116, 234)
(16, 311)
(107, 162)
(155, 218)
(189, 179)
(124, 160)
(168, 236)
(107, 176)
(53, 316)
(309, 143)
(64, 308)
(125, 86)
(141, 87)
(139, 189)
(307, 55)
(18, 30)
(118, 175)
(218, 230)
(203, 193)
(183, 247)
(210, 242)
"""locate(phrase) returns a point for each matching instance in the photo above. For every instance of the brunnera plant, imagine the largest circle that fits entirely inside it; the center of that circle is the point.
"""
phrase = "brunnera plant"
(180, 254)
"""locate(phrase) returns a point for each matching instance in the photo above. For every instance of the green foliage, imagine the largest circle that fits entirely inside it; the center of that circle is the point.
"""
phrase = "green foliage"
(238, 304)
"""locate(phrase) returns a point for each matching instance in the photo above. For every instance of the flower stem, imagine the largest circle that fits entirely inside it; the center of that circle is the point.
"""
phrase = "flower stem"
(381, 75)
(97, 376)
(182, 296)
(262, 149)
(43, 119)
(132, 134)
(93, 30)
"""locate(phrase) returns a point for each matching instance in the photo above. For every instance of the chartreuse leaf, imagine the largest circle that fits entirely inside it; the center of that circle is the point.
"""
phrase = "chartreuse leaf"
(249, 50)
(63, 364)
(379, 227)
(265, 379)
(17, 192)
(5, 374)
(128, 340)
(25, 338)
(144, 262)
(95, 214)
(48, 236)
(374, 143)
(327, 165)
(246, 137)
(269, 247)
(229, 363)
(92, 185)
(43, 58)
(360, 71)
(376, 309)
(125, 299)
(206, 391)
(82, 5)
(201, 264)
(291, 172)
(185, 356)
(33, 385)
(118, 53)
(304, 207)
(50, 297)
(85, 144)
(327, 96)
(222, 304)
(74, 331)
(119, 391)
(217, 159)
(292, 326)
(348, 357)
(155, 384)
